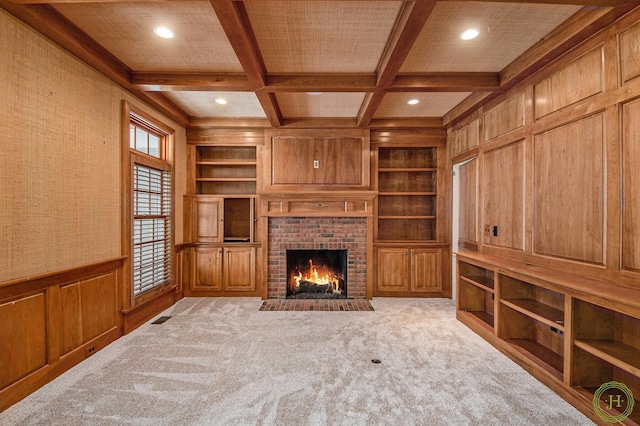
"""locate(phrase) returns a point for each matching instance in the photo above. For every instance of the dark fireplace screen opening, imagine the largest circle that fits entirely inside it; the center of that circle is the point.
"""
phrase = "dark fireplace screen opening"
(317, 274)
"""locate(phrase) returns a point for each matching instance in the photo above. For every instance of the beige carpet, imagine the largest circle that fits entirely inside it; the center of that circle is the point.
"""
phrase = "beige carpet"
(224, 362)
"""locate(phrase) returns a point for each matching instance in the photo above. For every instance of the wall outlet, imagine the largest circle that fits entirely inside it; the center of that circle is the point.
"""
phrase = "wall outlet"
(487, 230)
(89, 351)
(316, 164)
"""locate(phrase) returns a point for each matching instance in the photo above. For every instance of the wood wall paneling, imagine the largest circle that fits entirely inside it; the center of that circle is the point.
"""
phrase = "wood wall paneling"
(504, 197)
(629, 48)
(568, 191)
(317, 161)
(504, 118)
(88, 309)
(468, 201)
(465, 138)
(578, 80)
(631, 186)
(23, 337)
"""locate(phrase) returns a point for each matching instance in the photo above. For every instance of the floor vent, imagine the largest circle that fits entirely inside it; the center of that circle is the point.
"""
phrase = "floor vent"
(160, 320)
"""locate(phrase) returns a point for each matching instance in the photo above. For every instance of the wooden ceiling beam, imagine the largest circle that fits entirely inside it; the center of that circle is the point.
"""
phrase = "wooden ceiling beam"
(164, 82)
(320, 82)
(411, 20)
(446, 82)
(235, 22)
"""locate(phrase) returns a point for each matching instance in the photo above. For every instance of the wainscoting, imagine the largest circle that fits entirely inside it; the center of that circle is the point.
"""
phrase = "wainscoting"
(51, 322)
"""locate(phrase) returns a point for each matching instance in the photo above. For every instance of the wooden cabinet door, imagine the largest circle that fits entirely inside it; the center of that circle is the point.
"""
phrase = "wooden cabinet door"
(293, 161)
(239, 268)
(208, 220)
(339, 161)
(426, 270)
(393, 269)
(208, 269)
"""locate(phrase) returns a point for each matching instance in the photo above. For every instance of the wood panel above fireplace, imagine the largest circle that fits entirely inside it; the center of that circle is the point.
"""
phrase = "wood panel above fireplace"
(316, 160)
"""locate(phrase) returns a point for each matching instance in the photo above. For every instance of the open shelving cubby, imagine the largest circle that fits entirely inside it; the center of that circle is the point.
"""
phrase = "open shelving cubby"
(532, 319)
(476, 293)
(407, 193)
(606, 348)
(226, 169)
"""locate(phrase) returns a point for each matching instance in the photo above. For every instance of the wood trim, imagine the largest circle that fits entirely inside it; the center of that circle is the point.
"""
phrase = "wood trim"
(135, 316)
(34, 381)
(447, 82)
(228, 82)
(331, 204)
(9, 289)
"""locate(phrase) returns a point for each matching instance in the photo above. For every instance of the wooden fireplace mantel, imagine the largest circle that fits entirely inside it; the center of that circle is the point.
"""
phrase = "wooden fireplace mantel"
(318, 204)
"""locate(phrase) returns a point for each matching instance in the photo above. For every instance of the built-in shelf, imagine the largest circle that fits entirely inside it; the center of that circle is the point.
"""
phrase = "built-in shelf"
(550, 361)
(537, 310)
(618, 354)
(571, 332)
(225, 170)
(407, 184)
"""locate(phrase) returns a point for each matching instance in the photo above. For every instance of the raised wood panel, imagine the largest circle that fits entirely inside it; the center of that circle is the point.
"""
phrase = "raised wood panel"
(467, 201)
(580, 79)
(503, 189)
(23, 337)
(70, 318)
(317, 161)
(393, 270)
(504, 118)
(239, 268)
(88, 309)
(568, 191)
(208, 269)
(629, 46)
(465, 138)
(98, 297)
(340, 161)
(631, 186)
(208, 219)
(292, 161)
(426, 270)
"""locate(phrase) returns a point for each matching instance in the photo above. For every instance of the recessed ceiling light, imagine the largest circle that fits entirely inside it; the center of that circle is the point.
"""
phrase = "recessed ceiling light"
(413, 102)
(163, 32)
(469, 34)
(221, 101)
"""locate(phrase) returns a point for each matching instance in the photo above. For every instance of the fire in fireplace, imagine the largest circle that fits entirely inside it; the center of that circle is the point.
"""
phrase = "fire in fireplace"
(317, 274)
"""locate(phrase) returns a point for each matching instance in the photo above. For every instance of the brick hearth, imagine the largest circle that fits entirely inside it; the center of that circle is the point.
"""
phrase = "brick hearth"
(307, 233)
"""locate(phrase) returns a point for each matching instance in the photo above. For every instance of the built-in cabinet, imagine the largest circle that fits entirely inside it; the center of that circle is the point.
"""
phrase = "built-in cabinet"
(220, 213)
(569, 331)
(409, 235)
(224, 268)
(414, 270)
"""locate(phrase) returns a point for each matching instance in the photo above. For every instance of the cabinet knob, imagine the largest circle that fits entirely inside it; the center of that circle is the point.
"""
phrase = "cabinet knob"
(406, 252)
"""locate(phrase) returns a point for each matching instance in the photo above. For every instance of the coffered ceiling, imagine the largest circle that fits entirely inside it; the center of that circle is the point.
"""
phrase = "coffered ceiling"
(315, 63)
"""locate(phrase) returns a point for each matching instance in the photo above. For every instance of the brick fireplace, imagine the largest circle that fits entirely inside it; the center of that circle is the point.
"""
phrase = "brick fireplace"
(317, 233)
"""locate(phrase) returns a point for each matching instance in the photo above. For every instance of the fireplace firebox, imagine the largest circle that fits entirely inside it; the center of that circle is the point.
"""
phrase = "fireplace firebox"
(317, 274)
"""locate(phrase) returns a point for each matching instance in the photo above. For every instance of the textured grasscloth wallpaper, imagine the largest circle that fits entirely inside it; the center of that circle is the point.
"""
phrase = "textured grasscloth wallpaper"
(60, 196)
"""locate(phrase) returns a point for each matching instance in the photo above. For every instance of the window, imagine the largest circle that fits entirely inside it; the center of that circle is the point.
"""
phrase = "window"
(151, 247)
